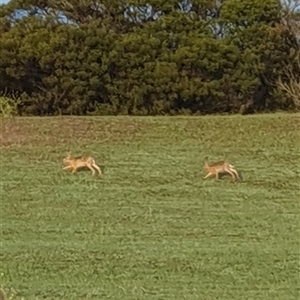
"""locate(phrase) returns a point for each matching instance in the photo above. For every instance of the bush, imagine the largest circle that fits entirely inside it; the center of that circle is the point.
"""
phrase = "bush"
(8, 107)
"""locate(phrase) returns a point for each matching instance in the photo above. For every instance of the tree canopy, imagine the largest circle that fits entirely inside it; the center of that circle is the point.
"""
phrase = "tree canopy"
(147, 57)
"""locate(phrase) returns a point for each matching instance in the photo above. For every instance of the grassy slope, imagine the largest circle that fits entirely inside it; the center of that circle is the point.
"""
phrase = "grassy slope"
(151, 228)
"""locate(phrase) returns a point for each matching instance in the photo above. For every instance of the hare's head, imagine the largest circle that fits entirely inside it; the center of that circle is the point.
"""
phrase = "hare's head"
(67, 158)
(205, 165)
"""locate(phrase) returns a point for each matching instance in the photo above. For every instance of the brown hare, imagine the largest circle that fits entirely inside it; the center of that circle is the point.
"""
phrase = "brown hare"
(75, 163)
(221, 167)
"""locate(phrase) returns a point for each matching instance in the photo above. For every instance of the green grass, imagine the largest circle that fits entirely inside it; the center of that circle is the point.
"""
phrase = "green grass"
(151, 227)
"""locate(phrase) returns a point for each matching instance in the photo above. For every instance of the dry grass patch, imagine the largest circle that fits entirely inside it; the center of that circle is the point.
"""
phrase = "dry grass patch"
(32, 132)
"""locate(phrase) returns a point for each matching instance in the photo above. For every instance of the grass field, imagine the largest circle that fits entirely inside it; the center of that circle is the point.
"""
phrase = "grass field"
(151, 227)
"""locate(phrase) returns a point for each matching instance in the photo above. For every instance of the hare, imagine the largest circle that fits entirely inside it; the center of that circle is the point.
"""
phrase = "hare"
(221, 167)
(75, 163)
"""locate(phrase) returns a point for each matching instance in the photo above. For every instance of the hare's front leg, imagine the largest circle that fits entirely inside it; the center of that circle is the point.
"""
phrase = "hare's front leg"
(67, 168)
(208, 175)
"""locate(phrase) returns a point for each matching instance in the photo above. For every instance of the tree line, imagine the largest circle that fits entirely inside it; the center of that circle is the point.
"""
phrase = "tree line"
(150, 57)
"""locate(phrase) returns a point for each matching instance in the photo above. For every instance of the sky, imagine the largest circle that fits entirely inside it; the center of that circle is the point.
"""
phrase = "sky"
(3, 1)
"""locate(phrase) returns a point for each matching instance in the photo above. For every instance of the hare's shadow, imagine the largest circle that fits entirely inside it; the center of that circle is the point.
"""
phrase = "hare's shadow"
(102, 168)
(221, 175)
(86, 169)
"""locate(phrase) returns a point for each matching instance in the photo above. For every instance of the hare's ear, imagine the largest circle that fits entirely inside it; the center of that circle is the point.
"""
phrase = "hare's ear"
(68, 153)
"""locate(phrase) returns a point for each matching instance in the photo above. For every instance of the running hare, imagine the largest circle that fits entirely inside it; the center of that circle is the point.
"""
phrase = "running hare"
(75, 163)
(221, 167)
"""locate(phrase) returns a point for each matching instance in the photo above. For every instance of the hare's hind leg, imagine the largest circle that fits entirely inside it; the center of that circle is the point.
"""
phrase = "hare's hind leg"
(91, 168)
(97, 168)
(234, 171)
(236, 174)
(231, 174)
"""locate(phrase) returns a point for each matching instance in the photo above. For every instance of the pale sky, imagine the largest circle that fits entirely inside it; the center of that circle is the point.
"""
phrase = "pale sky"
(3, 1)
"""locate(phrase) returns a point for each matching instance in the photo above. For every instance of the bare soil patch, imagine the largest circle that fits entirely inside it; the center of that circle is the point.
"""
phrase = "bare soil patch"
(72, 130)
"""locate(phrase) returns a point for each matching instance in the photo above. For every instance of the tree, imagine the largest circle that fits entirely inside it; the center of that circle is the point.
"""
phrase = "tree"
(265, 44)
(288, 81)
(147, 57)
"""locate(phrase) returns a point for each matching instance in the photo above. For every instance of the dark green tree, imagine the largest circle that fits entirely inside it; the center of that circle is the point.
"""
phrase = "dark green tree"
(146, 57)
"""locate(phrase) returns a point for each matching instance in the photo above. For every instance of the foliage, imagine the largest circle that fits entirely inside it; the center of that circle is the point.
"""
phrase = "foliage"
(151, 228)
(10, 295)
(291, 84)
(144, 57)
(288, 82)
(8, 107)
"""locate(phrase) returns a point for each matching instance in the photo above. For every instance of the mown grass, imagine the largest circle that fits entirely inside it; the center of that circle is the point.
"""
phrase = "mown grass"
(151, 227)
